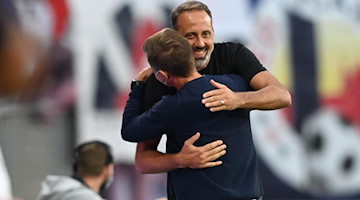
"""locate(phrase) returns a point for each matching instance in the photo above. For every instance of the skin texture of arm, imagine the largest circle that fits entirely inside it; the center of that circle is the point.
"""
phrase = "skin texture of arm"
(149, 160)
(269, 94)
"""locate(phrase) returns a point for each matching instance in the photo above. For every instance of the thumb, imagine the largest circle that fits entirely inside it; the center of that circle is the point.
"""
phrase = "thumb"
(217, 84)
(193, 139)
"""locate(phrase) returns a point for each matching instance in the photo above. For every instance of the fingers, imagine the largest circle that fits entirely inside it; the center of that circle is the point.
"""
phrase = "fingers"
(217, 84)
(216, 153)
(213, 151)
(203, 156)
(213, 98)
(212, 164)
(192, 139)
(213, 145)
(212, 93)
(216, 91)
(212, 156)
(216, 97)
(220, 99)
(216, 105)
(214, 102)
(218, 108)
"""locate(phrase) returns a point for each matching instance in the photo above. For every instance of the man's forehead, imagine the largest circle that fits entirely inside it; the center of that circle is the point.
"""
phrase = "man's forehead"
(194, 22)
(194, 15)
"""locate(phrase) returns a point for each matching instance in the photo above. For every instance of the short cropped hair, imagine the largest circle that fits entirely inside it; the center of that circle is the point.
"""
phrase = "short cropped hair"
(187, 6)
(91, 158)
(169, 51)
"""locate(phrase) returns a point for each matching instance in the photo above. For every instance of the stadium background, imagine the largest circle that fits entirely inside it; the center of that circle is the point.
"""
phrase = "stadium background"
(308, 151)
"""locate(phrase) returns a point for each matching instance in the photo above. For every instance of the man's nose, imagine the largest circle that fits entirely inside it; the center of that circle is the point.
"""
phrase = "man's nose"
(199, 42)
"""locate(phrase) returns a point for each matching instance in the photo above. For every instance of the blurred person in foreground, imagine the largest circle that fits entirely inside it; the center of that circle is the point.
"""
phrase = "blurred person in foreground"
(19, 72)
(193, 20)
(22, 62)
(181, 115)
(5, 186)
(93, 174)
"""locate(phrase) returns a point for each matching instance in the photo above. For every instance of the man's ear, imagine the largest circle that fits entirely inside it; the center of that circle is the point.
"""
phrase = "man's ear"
(109, 170)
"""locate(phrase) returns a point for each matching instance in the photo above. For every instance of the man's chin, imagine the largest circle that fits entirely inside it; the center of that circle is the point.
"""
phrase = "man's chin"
(200, 64)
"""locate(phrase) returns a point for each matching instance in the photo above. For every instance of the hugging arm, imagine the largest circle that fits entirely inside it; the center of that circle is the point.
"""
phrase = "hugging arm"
(149, 160)
(269, 94)
(138, 126)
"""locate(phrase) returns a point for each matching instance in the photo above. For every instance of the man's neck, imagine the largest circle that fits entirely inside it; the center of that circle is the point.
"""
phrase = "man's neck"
(181, 81)
(93, 182)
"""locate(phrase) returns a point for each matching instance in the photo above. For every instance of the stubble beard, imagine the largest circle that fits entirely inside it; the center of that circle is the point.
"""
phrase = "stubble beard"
(201, 63)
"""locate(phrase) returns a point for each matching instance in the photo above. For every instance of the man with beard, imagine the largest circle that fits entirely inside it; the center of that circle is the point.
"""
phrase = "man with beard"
(170, 56)
(93, 172)
(193, 20)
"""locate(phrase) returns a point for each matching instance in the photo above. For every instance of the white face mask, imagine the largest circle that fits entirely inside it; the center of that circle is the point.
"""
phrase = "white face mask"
(163, 79)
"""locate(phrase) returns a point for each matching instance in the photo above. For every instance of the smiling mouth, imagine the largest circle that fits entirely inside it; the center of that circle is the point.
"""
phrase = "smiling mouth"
(199, 54)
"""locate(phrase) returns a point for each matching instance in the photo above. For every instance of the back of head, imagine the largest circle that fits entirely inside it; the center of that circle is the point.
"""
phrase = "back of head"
(169, 51)
(92, 158)
(187, 6)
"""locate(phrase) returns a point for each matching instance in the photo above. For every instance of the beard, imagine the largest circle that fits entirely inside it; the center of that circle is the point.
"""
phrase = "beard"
(201, 63)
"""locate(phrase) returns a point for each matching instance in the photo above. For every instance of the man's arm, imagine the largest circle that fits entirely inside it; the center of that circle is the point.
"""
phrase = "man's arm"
(134, 120)
(149, 160)
(269, 94)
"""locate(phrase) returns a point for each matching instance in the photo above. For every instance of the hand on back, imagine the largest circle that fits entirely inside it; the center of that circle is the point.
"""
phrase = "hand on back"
(200, 157)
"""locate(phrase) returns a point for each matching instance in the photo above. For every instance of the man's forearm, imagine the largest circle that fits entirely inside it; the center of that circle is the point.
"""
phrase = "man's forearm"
(156, 162)
(267, 98)
(148, 160)
(269, 94)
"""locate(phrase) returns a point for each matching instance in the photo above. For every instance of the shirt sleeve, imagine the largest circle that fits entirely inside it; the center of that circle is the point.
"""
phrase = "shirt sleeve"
(138, 126)
(246, 63)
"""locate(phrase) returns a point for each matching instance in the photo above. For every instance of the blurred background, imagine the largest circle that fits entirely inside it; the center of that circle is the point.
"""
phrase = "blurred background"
(65, 73)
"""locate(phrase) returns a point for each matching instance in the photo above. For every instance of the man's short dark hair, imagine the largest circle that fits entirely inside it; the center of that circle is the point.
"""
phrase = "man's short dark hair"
(187, 6)
(91, 158)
